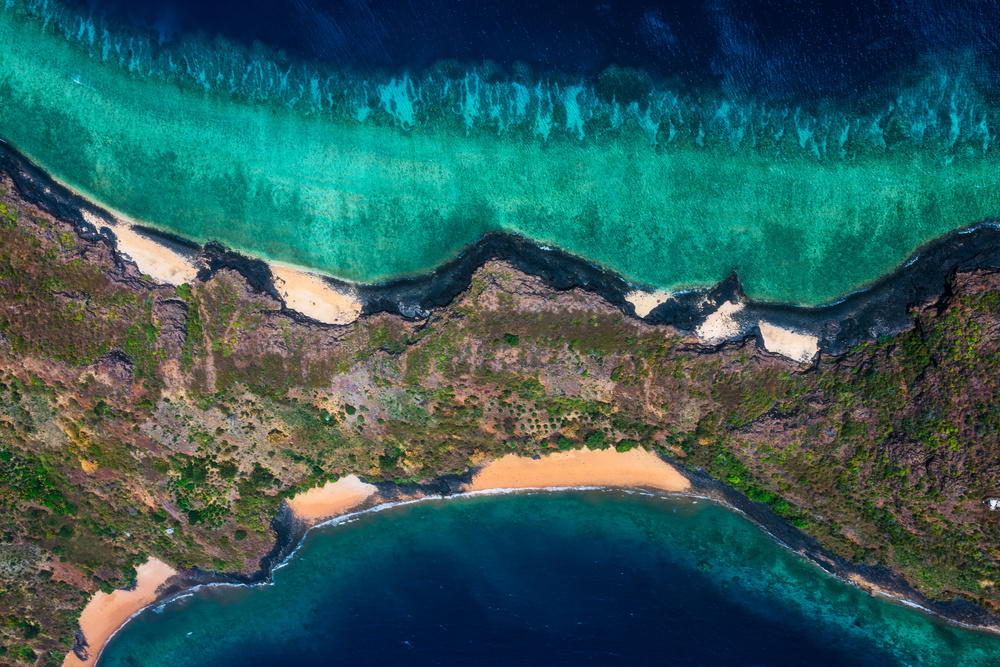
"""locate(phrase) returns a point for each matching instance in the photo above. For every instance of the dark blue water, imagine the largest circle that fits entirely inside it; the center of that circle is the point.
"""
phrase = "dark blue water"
(573, 578)
(806, 47)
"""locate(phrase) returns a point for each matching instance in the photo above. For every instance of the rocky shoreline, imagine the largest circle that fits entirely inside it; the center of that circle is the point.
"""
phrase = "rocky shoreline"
(863, 316)
(880, 309)
(290, 533)
(873, 579)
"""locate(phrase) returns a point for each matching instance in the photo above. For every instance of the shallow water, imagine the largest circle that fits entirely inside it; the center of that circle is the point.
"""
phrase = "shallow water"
(555, 578)
(370, 175)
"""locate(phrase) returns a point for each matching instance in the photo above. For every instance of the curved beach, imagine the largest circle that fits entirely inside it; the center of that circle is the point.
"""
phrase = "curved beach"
(105, 613)
(636, 468)
(583, 469)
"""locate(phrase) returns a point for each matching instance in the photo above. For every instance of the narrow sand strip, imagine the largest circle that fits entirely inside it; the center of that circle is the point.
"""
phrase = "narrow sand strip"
(330, 500)
(645, 302)
(105, 613)
(791, 344)
(312, 296)
(583, 467)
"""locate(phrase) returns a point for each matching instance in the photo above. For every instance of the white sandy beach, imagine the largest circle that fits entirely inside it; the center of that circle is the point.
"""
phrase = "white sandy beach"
(645, 302)
(312, 296)
(729, 322)
(153, 259)
(105, 613)
(791, 344)
(303, 291)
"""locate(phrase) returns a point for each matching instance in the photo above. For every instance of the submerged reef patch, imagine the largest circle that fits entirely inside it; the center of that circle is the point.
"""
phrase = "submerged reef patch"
(719, 316)
(371, 177)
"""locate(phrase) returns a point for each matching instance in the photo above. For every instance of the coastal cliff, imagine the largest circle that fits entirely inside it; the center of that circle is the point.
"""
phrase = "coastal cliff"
(142, 419)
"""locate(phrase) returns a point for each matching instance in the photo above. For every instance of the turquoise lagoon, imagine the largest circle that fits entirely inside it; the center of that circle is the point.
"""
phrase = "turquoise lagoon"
(555, 578)
(370, 176)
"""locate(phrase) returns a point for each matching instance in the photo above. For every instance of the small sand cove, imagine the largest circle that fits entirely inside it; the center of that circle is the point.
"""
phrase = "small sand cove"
(645, 302)
(331, 499)
(578, 468)
(723, 324)
(106, 613)
(314, 297)
(791, 344)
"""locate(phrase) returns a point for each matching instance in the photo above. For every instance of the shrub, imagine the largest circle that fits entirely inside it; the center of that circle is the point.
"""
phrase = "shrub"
(625, 445)
(227, 470)
(596, 440)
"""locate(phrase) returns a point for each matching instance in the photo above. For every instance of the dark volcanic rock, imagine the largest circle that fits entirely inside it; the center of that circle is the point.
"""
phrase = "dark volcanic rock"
(881, 309)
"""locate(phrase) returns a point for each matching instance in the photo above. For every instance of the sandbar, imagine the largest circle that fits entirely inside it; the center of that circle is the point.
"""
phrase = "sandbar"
(106, 612)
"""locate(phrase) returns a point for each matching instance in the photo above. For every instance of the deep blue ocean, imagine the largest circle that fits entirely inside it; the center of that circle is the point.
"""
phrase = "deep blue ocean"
(545, 579)
(803, 47)
(376, 140)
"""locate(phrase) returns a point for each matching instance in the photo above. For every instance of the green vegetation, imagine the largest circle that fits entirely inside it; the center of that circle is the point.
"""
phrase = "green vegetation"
(141, 420)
